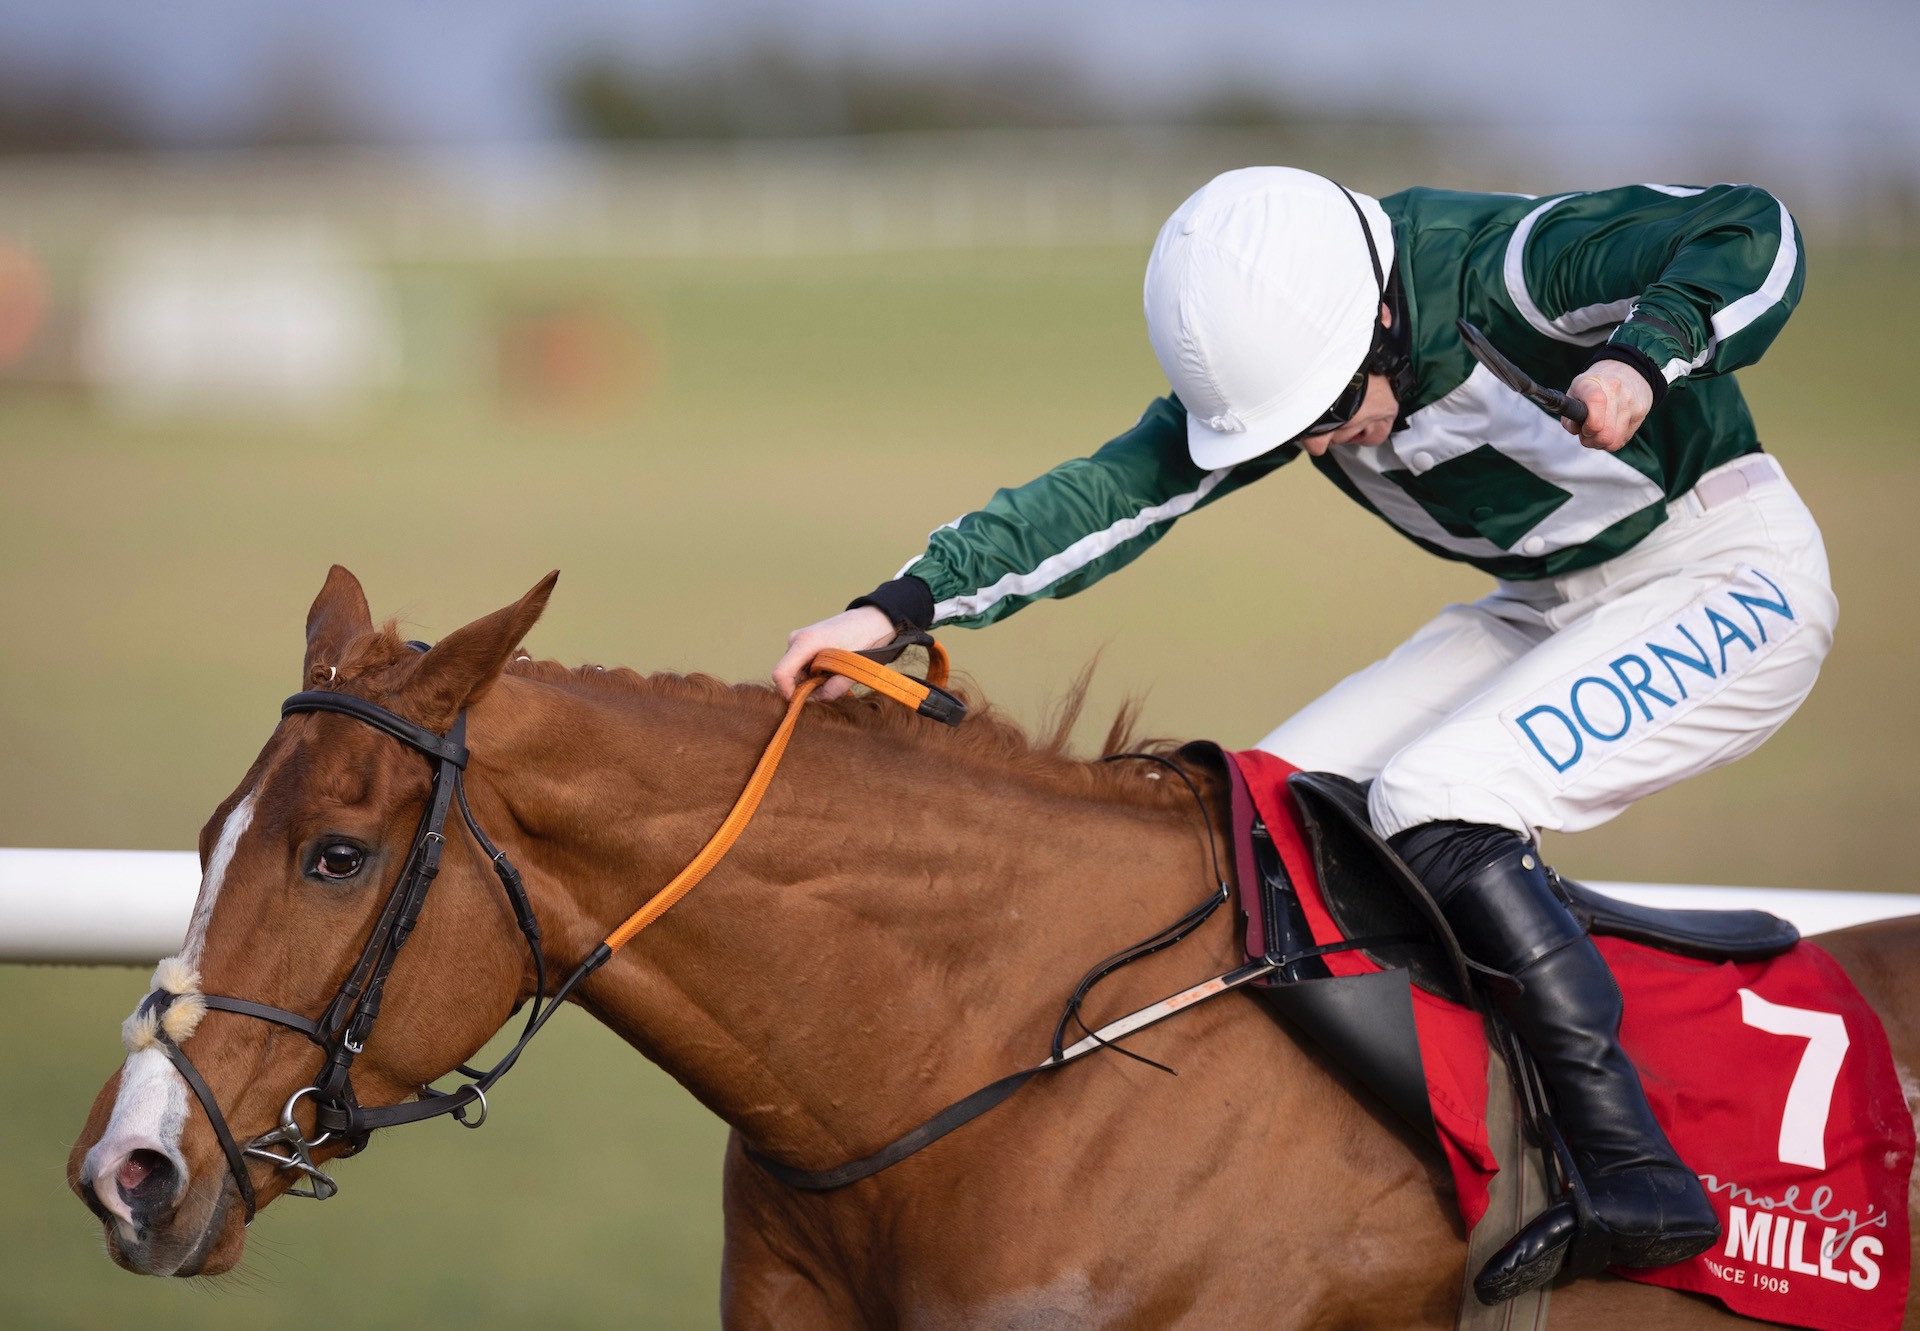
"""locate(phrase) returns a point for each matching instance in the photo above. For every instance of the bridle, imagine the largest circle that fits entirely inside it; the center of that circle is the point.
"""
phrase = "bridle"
(342, 1029)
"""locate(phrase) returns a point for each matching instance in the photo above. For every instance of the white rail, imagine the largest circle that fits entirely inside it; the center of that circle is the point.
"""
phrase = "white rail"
(95, 907)
(130, 907)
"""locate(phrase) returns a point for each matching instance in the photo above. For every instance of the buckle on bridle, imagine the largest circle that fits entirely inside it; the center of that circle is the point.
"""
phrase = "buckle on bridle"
(299, 1152)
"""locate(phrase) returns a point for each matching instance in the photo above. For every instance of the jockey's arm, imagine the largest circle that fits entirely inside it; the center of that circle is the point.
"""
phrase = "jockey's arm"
(1705, 277)
(1056, 535)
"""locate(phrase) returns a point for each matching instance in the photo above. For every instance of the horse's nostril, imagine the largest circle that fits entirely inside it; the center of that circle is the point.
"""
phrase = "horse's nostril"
(146, 1180)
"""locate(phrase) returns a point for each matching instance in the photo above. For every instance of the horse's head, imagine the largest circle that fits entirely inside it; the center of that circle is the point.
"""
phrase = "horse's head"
(299, 867)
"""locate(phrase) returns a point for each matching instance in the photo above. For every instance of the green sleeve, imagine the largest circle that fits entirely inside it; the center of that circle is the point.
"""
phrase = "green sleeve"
(1064, 531)
(1699, 280)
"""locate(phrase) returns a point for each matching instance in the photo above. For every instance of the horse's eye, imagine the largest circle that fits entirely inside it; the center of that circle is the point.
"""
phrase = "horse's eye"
(339, 859)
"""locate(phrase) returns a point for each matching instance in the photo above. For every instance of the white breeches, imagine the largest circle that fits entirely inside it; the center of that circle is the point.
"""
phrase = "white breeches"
(1553, 705)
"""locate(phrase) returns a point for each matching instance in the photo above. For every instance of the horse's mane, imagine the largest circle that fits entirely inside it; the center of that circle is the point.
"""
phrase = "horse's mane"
(988, 737)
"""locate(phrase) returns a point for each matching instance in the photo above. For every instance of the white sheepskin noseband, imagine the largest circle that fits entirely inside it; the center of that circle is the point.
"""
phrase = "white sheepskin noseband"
(173, 1009)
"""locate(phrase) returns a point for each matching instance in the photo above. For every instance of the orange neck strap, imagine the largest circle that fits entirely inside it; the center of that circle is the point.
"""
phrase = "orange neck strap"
(927, 697)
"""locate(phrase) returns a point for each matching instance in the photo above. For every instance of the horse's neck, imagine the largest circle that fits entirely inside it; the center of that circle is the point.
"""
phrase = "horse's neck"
(898, 925)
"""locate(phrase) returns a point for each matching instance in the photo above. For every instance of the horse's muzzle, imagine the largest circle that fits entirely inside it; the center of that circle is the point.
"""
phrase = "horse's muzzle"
(157, 1220)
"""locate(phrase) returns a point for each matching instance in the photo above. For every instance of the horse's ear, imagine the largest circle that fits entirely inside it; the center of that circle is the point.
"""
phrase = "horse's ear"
(465, 663)
(339, 615)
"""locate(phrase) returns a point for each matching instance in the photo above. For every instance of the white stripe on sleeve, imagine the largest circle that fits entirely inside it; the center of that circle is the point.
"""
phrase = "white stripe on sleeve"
(1587, 326)
(1736, 316)
(1584, 326)
(1078, 555)
(1751, 306)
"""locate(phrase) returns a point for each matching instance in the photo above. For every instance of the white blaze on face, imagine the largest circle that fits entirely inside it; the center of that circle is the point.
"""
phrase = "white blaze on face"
(151, 1107)
(217, 863)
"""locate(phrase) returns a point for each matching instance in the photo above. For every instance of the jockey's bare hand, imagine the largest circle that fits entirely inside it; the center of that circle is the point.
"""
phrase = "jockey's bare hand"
(1618, 398)
(851, 630)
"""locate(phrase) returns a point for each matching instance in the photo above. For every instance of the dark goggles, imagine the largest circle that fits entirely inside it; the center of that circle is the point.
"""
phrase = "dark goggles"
(1385, 357)
(1344, 408)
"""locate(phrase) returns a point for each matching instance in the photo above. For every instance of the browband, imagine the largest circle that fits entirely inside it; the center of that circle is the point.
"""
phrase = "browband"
(443, 747)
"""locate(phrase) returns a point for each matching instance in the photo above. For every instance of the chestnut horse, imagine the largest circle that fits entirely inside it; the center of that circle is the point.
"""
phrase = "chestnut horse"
(898, 926)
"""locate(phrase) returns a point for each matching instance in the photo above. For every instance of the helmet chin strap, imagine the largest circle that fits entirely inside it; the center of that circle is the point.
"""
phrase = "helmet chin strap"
(1391, 352)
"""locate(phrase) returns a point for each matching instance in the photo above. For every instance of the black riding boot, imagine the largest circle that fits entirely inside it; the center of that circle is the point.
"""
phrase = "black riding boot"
(1649, 1208)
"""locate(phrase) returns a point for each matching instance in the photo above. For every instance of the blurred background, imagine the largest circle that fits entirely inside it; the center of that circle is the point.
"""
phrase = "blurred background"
(719, 307)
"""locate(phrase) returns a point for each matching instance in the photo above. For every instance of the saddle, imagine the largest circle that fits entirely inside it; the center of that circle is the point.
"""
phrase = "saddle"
(1365, 1022)
(1364, 966)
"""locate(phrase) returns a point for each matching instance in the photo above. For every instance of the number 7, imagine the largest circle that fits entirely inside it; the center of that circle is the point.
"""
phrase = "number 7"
(1803, 1125)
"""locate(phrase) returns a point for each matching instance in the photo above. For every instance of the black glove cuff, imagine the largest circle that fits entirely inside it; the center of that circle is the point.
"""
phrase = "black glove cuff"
(1639, 360)
(907, 601)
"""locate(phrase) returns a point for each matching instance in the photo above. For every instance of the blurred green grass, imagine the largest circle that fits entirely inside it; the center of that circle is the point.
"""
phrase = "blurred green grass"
(804, 423)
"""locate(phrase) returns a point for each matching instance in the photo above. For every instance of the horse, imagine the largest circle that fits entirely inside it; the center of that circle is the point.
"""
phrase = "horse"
(898, 926)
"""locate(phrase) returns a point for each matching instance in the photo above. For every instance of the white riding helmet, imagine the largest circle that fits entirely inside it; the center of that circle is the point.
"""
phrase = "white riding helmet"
(1262, 298)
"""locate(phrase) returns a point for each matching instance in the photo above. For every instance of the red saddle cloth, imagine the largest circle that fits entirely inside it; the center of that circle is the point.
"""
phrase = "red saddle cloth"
(1773, 1079)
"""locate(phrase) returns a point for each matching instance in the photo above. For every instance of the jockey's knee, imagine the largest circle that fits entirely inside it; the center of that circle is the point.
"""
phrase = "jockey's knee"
(1429, 781)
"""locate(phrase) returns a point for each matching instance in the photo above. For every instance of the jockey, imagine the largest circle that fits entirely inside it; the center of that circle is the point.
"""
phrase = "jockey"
(1660, 604)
